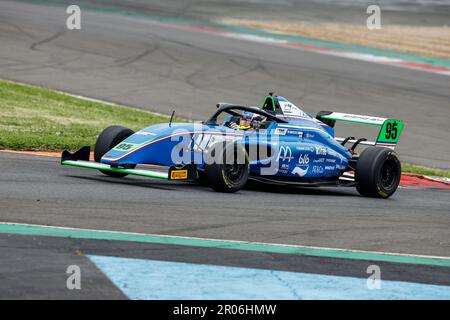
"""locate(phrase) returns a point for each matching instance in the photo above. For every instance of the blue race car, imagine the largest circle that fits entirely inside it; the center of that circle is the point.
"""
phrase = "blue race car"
(276, 143)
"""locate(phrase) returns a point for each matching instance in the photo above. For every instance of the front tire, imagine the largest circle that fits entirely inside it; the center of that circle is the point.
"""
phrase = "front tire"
(108, 139)
(378, 172)
(230, 174)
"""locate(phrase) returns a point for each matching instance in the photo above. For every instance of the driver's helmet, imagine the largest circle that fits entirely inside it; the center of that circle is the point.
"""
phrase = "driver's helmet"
(258, 117)
(246, 120)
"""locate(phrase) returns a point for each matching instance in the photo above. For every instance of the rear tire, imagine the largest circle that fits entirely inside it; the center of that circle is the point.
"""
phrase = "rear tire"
(378, 172)
(230, 175)
(108, 139)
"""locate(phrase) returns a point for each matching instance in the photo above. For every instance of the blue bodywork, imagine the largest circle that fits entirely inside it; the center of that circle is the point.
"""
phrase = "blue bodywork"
(302, 148)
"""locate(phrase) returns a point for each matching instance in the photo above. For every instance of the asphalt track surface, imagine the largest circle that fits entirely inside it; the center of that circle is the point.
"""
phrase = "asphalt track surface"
(139, 62)
(37, 190)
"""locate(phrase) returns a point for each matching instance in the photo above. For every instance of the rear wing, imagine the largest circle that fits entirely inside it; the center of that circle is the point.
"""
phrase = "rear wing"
(388, 136)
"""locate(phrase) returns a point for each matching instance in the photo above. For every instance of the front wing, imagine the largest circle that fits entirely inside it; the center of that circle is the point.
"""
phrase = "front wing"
(81, 159)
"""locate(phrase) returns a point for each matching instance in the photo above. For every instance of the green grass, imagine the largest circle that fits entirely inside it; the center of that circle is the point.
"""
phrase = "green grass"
(424, 171)
(33, 118)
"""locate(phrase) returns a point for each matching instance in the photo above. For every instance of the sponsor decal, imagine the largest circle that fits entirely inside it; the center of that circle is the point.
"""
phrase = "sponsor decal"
(303, 159)
(329, 168)
(317, 169)
(331, 160)
(310, 135)
(305, 148)
(303, 162)
(289, 108)
(124, 146)
(340, 167)
(280, 131)
(297, 133)
(321, 151)
(319, 160)
(178, 174)
(361, 117)
(300, 171)
(285, 153)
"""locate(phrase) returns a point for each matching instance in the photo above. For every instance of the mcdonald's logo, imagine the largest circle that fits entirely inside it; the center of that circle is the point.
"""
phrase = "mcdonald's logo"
(285, 153)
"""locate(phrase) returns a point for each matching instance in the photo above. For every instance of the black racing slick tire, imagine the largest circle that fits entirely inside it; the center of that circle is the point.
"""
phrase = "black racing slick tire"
(230, 170)
(108, 139)
(378, 172)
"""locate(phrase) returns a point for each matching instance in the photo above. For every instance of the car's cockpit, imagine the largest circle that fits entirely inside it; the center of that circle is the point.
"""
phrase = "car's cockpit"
(243, 117)
(254, 121)
(247, 121)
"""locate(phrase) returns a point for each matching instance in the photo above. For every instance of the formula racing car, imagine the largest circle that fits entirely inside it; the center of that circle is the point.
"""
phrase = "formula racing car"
(275, 143)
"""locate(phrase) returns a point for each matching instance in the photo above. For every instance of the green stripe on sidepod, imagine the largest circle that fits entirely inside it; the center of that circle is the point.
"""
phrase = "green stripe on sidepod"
(99, 166)
(37, 230)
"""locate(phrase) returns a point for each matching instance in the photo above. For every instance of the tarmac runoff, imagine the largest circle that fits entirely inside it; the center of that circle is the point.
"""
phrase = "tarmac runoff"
(142, 279)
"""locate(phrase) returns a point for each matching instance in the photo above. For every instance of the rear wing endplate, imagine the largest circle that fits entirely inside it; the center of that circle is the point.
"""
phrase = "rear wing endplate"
(388, 136)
